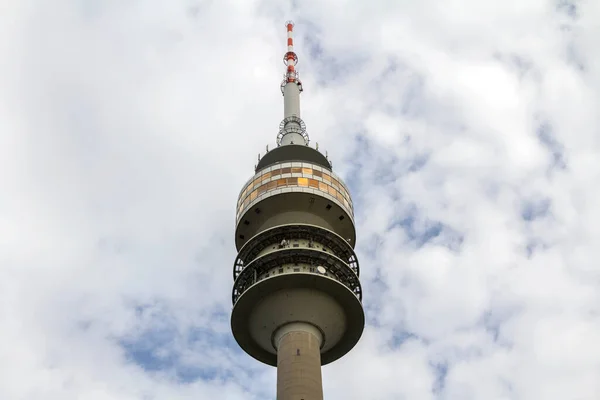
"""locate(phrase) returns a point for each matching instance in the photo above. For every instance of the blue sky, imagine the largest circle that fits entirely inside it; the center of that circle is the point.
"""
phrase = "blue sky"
(466, 130)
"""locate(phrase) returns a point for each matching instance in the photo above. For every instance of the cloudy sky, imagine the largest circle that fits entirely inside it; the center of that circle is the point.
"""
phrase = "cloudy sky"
(467, 131)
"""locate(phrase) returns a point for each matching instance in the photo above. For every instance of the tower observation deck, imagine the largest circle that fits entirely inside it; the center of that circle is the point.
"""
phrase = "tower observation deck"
(296, 292)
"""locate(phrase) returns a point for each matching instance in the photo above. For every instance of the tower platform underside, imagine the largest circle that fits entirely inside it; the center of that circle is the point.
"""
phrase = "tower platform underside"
(305, 297)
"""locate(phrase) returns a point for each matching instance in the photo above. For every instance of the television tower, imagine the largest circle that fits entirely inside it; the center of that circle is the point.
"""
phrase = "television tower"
(296, 293)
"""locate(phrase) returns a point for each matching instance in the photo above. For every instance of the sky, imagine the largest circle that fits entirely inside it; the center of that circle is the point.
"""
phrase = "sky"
(466, 130)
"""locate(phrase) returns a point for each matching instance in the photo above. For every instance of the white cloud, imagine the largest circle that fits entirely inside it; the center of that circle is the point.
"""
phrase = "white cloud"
(128, 129)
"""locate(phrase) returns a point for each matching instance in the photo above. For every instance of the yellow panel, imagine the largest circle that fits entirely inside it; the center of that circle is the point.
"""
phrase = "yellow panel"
(303, 181)
(253, 195)
(323, 186)
(331, 190)
(307, 171)
(326, 177)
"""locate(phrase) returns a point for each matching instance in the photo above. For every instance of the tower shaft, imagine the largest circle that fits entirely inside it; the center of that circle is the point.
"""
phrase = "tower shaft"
(299, 363)
(291, 101)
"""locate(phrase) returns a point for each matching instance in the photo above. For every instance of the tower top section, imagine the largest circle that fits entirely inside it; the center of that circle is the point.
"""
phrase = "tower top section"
(290, 59)
(292, 129)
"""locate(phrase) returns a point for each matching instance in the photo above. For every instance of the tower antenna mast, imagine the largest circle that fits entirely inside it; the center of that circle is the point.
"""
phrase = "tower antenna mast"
(292, 129)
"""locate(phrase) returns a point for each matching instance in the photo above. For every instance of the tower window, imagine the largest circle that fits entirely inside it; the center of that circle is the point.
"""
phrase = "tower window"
(241, 236)
(341, 217)
(328, 206)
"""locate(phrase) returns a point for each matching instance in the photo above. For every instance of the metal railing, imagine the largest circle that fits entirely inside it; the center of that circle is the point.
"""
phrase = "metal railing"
(341, 272)
(273, 236)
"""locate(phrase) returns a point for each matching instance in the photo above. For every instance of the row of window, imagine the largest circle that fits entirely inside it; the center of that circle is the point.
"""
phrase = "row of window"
(293, 182)
(294, 269)
(306, 171)
(353, 286)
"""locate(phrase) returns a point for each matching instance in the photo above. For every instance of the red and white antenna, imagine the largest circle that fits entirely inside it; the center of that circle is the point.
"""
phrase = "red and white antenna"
(290, 59)
(292, 129)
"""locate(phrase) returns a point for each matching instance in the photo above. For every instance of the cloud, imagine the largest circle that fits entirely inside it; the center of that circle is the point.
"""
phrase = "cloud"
(467, 132)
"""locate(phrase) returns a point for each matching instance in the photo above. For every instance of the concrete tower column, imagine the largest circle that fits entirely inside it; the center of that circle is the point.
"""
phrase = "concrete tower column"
(291, 101)
(299, 362)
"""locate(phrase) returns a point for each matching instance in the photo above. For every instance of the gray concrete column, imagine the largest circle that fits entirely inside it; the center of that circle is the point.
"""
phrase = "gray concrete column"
(299, 362)
(291, 100)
